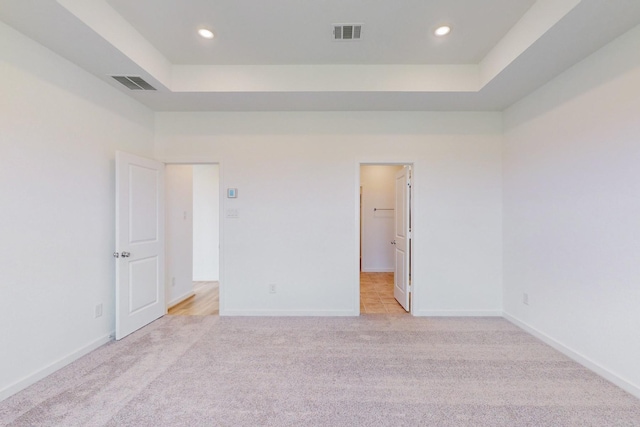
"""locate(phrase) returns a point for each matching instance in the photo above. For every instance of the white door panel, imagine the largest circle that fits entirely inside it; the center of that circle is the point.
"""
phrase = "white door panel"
(139, 242)
(142, 271)
(143, 187)
(401, 239)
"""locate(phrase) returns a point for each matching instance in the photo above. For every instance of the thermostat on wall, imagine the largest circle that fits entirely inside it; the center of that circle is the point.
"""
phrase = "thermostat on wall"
(232, 193)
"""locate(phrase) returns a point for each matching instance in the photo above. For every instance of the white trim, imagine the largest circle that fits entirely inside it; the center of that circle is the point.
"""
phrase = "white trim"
(190, 160)
(576, 356)
(377, 270)
(179, 299)
(458, 313)
(288, 313)
(53, 367)
(358, 260)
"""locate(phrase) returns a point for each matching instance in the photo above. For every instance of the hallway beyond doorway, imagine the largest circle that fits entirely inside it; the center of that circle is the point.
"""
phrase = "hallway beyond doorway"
(376, 294)
(205, 302)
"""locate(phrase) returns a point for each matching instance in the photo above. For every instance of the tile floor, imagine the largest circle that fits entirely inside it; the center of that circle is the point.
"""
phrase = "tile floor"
(376, 294)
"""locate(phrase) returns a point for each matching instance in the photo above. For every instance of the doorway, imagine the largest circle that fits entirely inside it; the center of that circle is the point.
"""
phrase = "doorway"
(385, 238)
(192, 239)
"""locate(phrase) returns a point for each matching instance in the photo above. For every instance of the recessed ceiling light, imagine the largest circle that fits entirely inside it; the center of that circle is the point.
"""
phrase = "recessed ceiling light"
(207, 34)
(442, 31)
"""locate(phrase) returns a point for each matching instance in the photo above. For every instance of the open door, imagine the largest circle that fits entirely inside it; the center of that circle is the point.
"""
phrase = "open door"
(140, 292)
(401, 289)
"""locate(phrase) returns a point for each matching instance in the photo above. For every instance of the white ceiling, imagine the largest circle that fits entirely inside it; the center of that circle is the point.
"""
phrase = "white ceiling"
(300, 32)
(279, 54)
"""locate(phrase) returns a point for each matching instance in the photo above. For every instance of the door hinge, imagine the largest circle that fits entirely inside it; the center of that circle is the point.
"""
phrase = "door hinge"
(409, 288)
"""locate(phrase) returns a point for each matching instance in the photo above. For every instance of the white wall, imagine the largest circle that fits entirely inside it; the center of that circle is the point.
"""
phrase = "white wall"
(59, 130)
(206, 222)
(378, 191)
(572, 211)
(179, 232)
(298, 204)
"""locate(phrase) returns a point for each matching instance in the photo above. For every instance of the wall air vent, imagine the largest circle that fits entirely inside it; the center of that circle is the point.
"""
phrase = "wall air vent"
(134, 82)
(347, 32)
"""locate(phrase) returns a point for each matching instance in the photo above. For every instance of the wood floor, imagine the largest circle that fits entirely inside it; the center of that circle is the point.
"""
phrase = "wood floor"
(376, 294)
(205, 302)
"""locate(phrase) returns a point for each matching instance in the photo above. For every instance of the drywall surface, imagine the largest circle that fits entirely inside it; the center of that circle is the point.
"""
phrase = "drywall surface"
(295, 223)
(206, 222)
(59, 130)
(572, 209)
(378, 184)
(179, 232)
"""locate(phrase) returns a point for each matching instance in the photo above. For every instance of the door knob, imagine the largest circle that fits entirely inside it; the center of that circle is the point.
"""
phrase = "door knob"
(393, 242)
(116, 255)
(126, 254)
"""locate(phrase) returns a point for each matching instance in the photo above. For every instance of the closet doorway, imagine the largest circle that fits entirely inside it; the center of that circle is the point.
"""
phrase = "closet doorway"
(385, 238)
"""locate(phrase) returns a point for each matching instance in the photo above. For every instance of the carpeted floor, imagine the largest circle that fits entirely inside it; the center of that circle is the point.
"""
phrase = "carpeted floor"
(373, 370)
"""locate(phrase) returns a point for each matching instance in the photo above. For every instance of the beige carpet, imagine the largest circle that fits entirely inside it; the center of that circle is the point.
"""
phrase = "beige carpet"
(373, 370)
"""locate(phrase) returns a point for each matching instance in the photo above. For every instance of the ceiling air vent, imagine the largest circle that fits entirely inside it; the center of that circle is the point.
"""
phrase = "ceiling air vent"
(347, 32)
(134, 82)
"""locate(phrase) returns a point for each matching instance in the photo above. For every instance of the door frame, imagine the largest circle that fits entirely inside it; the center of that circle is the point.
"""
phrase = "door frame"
(208, 161)
(412, 204)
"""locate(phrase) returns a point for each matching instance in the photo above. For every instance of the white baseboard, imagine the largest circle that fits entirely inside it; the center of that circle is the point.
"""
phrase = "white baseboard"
(324, 313)
(178, 300)
(206, 279)
(377, 270)
(578, 357)
(286, 313)
(48, 370)
(458, 313)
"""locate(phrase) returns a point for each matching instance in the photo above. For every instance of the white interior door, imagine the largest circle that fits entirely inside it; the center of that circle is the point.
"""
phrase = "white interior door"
(139, 252)
(402, 238)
